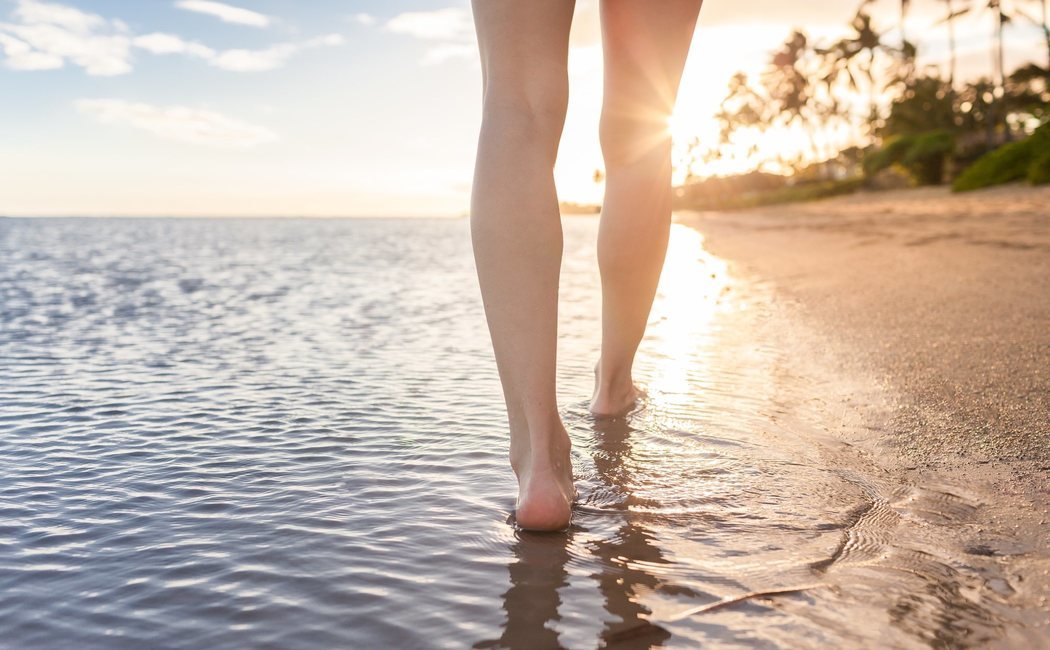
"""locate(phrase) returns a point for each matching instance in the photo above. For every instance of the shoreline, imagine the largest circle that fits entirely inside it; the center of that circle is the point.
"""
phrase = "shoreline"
(943, 296)
(925, 315)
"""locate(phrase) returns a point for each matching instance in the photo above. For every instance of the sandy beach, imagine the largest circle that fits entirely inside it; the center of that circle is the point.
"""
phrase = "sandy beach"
(936, 307)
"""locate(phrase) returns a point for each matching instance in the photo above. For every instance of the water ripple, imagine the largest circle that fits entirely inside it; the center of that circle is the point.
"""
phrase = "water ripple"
(257, 433)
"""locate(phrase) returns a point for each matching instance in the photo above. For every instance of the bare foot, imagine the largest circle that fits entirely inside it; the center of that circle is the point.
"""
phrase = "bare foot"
(545, 488)
(613, 398)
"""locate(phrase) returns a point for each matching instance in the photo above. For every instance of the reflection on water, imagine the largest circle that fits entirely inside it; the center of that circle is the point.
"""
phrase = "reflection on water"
(623, 577)
(290, 434)
(540, 566)
(537, 571)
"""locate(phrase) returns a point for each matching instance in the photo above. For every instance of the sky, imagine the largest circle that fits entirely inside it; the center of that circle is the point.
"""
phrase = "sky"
(330, 107)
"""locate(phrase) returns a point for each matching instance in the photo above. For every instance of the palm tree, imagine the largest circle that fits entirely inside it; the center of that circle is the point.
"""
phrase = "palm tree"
(856, 54)
(950, 21)
(787, 81)
(926, 105)
(1002, 18)
(743, 107)
(1044, 22)
(793, 97)
(904, 14)
(1000, 21)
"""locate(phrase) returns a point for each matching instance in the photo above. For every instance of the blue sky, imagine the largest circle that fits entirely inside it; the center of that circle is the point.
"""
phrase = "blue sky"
(326, 107)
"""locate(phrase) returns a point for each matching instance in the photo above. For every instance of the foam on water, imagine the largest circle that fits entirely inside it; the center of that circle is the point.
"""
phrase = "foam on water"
(259, 433)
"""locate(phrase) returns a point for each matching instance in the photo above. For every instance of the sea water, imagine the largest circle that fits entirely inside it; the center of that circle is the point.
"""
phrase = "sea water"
(233, 433)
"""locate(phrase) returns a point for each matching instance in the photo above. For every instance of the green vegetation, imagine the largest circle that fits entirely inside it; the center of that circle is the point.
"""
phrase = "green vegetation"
(1026, 159)
(1005, 164)
(757, 189)
(872, 119)
(922, 156)
(805, 192)
(1039, 168)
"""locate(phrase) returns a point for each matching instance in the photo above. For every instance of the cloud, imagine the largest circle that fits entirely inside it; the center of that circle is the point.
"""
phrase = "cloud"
(363, 19)
(451, 29)
(226, 13)
(449, 24)
(68, 17)
(237, 60)
(254, 60)
(21, 56)
(159, 43)
(45, 36)
(177, 123)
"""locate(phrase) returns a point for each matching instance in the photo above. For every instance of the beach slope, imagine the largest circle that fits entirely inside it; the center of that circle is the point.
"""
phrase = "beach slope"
(942, 301)
(945, 296)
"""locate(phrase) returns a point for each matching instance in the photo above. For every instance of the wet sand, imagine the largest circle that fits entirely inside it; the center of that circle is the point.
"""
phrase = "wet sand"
(932, 313)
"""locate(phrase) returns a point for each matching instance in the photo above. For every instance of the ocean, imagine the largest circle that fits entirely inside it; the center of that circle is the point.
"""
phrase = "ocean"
(248, 433)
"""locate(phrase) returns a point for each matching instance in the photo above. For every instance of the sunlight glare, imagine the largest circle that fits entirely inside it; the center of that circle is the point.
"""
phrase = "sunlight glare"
(689, 296)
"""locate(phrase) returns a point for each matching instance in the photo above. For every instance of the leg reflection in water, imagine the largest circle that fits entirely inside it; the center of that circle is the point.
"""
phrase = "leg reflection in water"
(623, 554)
(620, 547)
(538, 572)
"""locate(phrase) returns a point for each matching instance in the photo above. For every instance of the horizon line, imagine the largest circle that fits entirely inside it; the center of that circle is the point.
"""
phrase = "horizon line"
(233, 216)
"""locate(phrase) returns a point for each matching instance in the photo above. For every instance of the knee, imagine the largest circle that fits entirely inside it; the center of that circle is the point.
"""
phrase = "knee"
(527, 112)
(631, 136)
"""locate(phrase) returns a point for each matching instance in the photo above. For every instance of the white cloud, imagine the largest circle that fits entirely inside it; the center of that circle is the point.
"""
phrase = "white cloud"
(271, 57)
(21, 56)
(226, 13)
(449, 24)
(254, 60)
(46, 36)
(363, 19)
(452, 30)
(61, 15)
(160, 43)
(328, 40)
(177, 123)
(237, 60)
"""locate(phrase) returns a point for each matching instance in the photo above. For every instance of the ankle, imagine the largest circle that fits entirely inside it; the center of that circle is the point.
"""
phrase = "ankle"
(613, 382)
(541, 442)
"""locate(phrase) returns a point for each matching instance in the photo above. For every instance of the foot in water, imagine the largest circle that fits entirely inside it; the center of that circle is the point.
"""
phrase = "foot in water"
(614, 396)
(545, 488)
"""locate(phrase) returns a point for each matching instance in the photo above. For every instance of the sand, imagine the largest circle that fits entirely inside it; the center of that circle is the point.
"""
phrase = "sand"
(941, 302)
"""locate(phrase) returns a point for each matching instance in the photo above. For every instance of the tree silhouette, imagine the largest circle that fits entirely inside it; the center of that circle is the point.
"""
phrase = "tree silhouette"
(936, 120)
(904, 15)
(1044, 22)
(855, 57)
(949, 20)
(1002, 17)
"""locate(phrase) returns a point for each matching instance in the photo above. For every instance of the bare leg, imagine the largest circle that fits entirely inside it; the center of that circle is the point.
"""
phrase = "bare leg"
(516, 230)
(645, 45)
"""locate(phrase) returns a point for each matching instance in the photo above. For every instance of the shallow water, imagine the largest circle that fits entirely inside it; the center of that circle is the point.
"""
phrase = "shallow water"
(264, 433)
